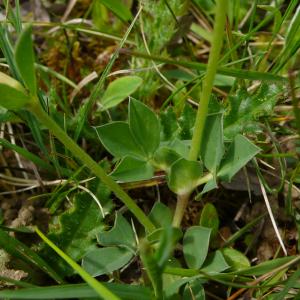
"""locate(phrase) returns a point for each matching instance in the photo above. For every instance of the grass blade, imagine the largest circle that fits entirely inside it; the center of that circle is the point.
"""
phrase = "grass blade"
(238, 73)
(125, 292)
(19, 250)
(28, 155)
(100, 289)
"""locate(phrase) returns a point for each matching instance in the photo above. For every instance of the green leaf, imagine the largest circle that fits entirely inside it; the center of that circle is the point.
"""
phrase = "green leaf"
(239, 153)
(144, 126)
(132, 169)
(186, 122)
(184, 176)
(119, 90)
(13, 95)
(160, 215)
(236, 260)
(100, 289)
(194, 290)
(76, 232)
(213, 149)
(25, 59)
(169, 125)
(229, 71)
(164, 157)
(209, 186)
(118, 8)
(81, 290)
(266, 266)
(121, 234)
(209, 218)
(293, 34)
(246, 108)
(118, 140)
(152, 268)
(195, 246)
(19, 250)
(181, 147)
(28, 155)
(168, 240)
(105, 260)
(291, 282)
(171, 291)
(215, 263)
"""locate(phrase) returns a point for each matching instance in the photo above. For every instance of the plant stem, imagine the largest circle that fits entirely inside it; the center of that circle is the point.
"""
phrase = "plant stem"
(182, 202)
(221, 9)
(212, 65)
(43, 117)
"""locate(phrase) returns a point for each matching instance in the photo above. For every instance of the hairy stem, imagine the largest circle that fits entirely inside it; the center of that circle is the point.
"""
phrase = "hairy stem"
(43, 117)
(209, 78)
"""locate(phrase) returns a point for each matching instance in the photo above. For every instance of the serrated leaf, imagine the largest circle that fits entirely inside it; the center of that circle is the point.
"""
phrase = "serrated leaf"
(24, 56)
(118, 140)
(76, 231)
(121, 234)
(118, 8)
(106, 260)
(13, 95)
(144, 126)
(119, 90)
(195, 246)
(246, 108)
(132, 169)
(164, 157)
(215, 263)
(240, 152)
(160, 215)
(184, 176)
(236, 260)
(209, 218)
(213, 148)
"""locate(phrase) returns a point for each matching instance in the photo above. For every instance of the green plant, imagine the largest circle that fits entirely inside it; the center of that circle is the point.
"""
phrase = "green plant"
(193, 151)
